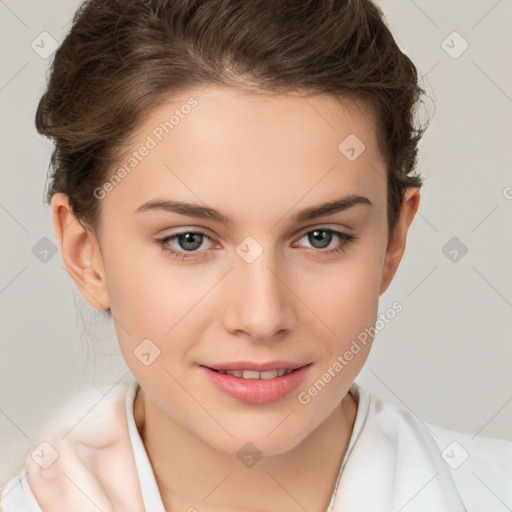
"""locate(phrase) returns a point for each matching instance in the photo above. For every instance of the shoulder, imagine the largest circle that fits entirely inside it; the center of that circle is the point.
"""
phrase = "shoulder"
(481, 468)
(394, 462)
(88, 439)
(16, 496)
(415, 465)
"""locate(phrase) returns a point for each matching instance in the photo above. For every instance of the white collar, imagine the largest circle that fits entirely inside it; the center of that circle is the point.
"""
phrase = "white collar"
(150, 492)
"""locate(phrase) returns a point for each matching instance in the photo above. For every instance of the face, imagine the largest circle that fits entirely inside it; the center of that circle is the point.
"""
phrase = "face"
(221, 248)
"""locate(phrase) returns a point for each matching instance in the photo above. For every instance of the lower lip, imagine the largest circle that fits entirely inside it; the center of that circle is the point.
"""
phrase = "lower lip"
(256, 391)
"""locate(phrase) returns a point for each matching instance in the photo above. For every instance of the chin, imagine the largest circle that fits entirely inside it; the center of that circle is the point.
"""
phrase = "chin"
(259, 443)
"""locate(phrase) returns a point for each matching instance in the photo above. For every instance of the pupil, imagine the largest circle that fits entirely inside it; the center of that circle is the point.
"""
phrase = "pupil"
(187, 241)
(320, 236)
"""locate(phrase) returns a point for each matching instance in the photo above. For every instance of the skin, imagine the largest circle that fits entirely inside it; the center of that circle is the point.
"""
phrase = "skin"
(258, 158)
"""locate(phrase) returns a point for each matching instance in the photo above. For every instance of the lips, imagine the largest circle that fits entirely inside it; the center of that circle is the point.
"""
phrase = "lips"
(256, 383)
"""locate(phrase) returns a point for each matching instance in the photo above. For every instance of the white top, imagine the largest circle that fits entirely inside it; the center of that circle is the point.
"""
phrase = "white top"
(393, 462)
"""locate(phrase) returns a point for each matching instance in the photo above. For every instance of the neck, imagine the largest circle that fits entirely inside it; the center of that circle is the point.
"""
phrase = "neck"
(193, 476)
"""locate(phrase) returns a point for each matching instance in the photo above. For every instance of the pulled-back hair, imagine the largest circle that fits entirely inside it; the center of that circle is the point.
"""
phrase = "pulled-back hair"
(121, 58)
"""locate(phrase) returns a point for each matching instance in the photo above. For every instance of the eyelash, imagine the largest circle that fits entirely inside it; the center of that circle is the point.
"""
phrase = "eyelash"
(182, 255)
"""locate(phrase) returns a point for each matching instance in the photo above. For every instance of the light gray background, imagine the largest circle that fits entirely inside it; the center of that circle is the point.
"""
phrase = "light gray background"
(447, 356)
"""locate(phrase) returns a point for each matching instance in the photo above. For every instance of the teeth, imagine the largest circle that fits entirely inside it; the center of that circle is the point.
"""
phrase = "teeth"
(251, 374)
(270, 374)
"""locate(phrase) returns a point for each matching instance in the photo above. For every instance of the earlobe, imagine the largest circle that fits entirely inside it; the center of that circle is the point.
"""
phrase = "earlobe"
(396, 245)
(81, 253)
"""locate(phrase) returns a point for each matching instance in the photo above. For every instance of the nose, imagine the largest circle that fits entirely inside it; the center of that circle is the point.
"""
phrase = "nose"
(259, 302)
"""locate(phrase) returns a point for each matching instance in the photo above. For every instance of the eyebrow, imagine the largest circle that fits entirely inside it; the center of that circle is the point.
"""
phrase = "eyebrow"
(204, 212)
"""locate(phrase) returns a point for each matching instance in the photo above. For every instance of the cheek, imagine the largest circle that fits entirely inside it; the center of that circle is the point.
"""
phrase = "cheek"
(153, 298)
(345, 296)
(147, 289)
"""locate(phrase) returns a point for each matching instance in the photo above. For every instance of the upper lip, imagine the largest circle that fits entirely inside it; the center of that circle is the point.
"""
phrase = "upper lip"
(257, 367)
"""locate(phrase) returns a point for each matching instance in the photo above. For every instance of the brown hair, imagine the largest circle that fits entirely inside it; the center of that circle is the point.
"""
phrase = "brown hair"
(122, 57)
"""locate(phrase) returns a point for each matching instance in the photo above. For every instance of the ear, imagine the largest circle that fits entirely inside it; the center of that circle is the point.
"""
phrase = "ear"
(396, 245)
(81, 253)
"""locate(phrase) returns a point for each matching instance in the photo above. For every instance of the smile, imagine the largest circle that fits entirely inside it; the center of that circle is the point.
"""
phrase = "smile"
(256, 386)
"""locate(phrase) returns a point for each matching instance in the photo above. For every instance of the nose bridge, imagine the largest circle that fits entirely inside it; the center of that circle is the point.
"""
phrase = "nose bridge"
(259, 302)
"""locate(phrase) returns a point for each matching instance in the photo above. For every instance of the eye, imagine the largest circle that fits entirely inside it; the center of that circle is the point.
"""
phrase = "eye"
(322, 238)
(190, 244)
(187, 244)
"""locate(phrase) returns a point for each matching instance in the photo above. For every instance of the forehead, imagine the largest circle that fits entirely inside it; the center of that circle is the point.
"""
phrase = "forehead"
(241, 151)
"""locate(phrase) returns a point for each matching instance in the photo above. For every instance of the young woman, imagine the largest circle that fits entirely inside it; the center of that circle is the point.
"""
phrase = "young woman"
(233, 183)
